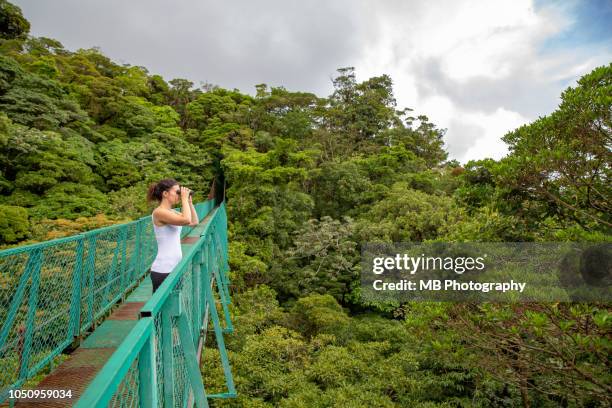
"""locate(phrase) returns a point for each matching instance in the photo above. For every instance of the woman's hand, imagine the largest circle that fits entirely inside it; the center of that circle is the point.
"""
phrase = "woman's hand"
(185, 193)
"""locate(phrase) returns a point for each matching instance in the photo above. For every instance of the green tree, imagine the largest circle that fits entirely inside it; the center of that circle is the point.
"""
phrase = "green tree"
(564, 158)
(35, 161)
(323, 260)
(179, 95)
(70, 201)
(36, 101)
(125, 164)
(12, 23)
(360, 111)
(553, 354)
(14, 224)
(405, 215)
(341, 187)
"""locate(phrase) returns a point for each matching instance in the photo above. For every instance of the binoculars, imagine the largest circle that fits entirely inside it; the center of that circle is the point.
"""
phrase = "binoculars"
(190, 192)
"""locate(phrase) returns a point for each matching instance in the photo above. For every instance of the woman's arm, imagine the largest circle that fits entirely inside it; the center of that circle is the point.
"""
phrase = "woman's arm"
(172, 217)
(194, 214)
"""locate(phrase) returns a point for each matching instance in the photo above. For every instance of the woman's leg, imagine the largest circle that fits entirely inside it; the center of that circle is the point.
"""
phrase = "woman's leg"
(157, 278)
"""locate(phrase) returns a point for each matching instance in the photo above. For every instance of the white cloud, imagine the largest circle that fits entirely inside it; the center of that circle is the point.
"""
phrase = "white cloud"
(475, 67)
(473, 134)
(494, 126)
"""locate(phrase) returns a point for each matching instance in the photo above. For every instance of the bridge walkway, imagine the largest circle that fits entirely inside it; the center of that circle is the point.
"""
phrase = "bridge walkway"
(94, 351)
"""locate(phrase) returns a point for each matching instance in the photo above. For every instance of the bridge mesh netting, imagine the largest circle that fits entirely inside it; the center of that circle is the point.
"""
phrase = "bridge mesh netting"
(54, 291)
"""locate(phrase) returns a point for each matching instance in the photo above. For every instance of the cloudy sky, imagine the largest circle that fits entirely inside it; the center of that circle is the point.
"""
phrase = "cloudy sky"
(478, 68)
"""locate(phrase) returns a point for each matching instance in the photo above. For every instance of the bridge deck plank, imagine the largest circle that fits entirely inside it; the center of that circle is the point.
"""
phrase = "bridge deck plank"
(76, 372)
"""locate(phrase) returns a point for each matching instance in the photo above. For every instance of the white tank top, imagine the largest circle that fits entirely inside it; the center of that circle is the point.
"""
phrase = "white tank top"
(168, 247)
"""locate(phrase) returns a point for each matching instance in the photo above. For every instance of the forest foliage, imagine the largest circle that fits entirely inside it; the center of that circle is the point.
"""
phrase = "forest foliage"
(309, 179)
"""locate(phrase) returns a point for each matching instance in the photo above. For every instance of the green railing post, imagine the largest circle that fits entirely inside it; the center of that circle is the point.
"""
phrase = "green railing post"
(210, 298)
(75, 303)
(17, 299)
(124, 235)
(191, 362)
(149, 244)
(220, 260)
(147, 377)
(222, 294)
(138, 249)
(110, 273)
(196, 294)
(133, 259)
(203, 284)
(167, 357)
(32, 306)
(91, 265)
(225, 240)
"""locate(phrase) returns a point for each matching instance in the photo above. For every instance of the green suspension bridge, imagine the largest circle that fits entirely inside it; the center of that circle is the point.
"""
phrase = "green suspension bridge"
(90, 295)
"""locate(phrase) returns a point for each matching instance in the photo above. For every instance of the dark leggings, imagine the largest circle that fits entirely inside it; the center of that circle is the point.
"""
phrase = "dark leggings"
(157, 278)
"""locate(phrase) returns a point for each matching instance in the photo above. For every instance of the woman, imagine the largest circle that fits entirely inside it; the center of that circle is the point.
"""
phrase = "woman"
(167, 226)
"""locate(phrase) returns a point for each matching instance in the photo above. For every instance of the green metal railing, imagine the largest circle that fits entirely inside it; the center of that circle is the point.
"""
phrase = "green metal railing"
(52, 292)
(158, 363)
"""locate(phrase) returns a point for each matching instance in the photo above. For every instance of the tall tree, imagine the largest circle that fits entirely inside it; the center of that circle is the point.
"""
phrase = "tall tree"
(360, 111)
(12, 23)
(566, 158)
